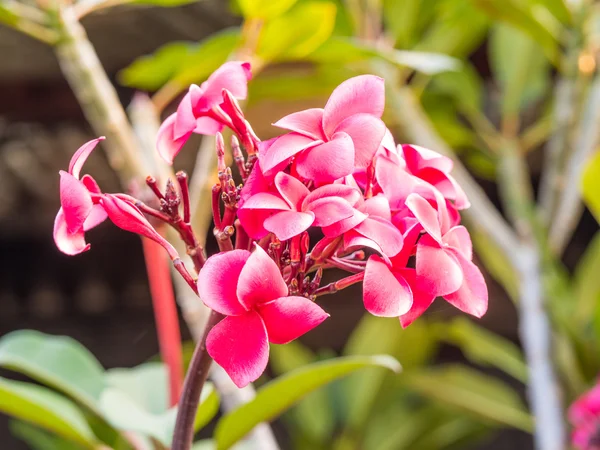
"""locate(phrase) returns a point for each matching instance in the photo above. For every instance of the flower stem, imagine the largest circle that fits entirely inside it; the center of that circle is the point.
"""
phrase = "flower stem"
(165, 315)
(192, 388)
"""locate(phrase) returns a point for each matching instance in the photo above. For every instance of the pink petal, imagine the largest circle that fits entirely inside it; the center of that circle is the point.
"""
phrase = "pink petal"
(129, 218)
(291, 189)
(233, 76)
(460, 197)
(366, 132)
(81, 155)
(218, 280)
(287, 224)
(75, 200)
(344, 225)
(327, 162)
(362, 94)
(185, 119)
(260, 280)
(91, 184)
(68, 243)
(472, 296)
(384, 294)
(283, 148)
(383, 233)
(377, 206)
(439, 269)
(257, 209)
(421, 298)
(96, 217)
(307, 123)
(348, 193)
(353, 240)
(396, 183)
(458, 237)
(426, 214)
(168, 147)
(288, 318)
(330, 210)
(417, 158)
(586, 407)
(207, 126)
(239, 345)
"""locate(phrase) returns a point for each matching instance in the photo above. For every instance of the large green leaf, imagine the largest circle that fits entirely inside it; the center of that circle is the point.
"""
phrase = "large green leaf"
(147, 385)
(46, 409)
(297, 33)
(484, 397)
(591, 185)
(405, 19)
(464, 86)
(313, 414)
(264, 9)
(520, 68)
(59, 362)
(38, 439)
(486, 348)
(278, 395)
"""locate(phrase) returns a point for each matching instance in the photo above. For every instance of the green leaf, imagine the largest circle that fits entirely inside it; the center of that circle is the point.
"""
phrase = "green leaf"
(264, 9)
(464, 86)
(297, 33)
(183, 62)
(147, 385)
(46, 409)
(59, 362)
(7, 16)
(278, 395)
(404, 20)
(38, 439)
(313, 414)
(591, 185)
(486, 348)
(204, 444)
(519, 67)
(586, 282)
(467, 390)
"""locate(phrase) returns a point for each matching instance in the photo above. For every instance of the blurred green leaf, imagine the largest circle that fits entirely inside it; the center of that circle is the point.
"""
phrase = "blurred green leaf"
(313, 414)
(464, 86)
(278, 395)
(38, 439)
(520, 68)
(486, 348)
(204, 444)
(46, 409)
(264, 9)
(59, 362)
(147, 385)
(468, 390)
(405, 19)
(451, 432)
(7, 16)
(298, 32)
(591, 185)
(183, 62)
(586, 282)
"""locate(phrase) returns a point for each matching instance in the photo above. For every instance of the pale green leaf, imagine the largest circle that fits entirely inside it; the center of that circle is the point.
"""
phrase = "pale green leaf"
(46, 409)
(464, 86)
(467, 390)
(59, 362)
(278, 395)
(147, 385)
(38, 439)
(586, 282)
(264, 9)
(591, 185)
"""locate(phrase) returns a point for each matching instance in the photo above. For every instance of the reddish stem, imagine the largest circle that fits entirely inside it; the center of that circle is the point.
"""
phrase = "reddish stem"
(182, 179)
(165, 315)
(338, 285)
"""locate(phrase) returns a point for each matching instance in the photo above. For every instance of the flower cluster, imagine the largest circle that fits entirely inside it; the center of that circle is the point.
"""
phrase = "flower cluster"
(387, 215)
(584, 414)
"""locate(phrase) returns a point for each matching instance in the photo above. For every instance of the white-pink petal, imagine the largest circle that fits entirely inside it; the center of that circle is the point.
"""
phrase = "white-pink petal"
(68, 243)
(438, 269)
(287, 224)
(327, 162)
(307, 123)
(384, 294)
(81, 155)
(472, 296)
(283, 148)
(366, 132)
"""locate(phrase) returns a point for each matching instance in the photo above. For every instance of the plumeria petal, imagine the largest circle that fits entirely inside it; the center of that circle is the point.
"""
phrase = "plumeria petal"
(288, 318)
(362, 94)
(354, 240)
(307, 123)
(439, 270)
(166, 143)
(395, 182)
(287, 224)
(257, 209)
(338, 228)
(233, 76)
(81, 155)
(91, 184)
(330, 210)
(377, 206)
(68, 243)
(327, 162)
(422, 299)
(366, 132)
(348, 193)
(96, 217)
(383, 233)
(75, 200)
(472, 296)
(291, 189)
(418, 158)
(216, 286)
(458, 237)
(207, 126)
(185, 119)
(260, 280)
(384, 294)
(239, 345)
(283, 148)
(426, 214)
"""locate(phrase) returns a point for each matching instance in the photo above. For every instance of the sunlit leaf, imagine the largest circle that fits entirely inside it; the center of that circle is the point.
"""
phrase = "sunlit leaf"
(591, 185)
(57, 361)
(586, 282)
(46, 409)
(38, 439)
(264, 9)
(298, 32)
(486, 348)
(7, 16)
(278, 395)
(467, 390)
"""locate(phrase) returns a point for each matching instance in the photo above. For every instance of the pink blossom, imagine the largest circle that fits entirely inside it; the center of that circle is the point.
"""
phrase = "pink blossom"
(329, 143)
(249, 290)
(199, 110)
(292, 208)
(584, 414)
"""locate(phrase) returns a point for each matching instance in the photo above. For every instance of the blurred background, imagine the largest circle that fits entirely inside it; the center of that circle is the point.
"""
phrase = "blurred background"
(475, 74)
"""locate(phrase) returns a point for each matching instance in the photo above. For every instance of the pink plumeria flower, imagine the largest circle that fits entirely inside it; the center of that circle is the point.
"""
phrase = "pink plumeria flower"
(79, 212)
(84, 206)
(292, 208)
(327, 144)
(199, 109)
(249, 290)
(584, 414)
